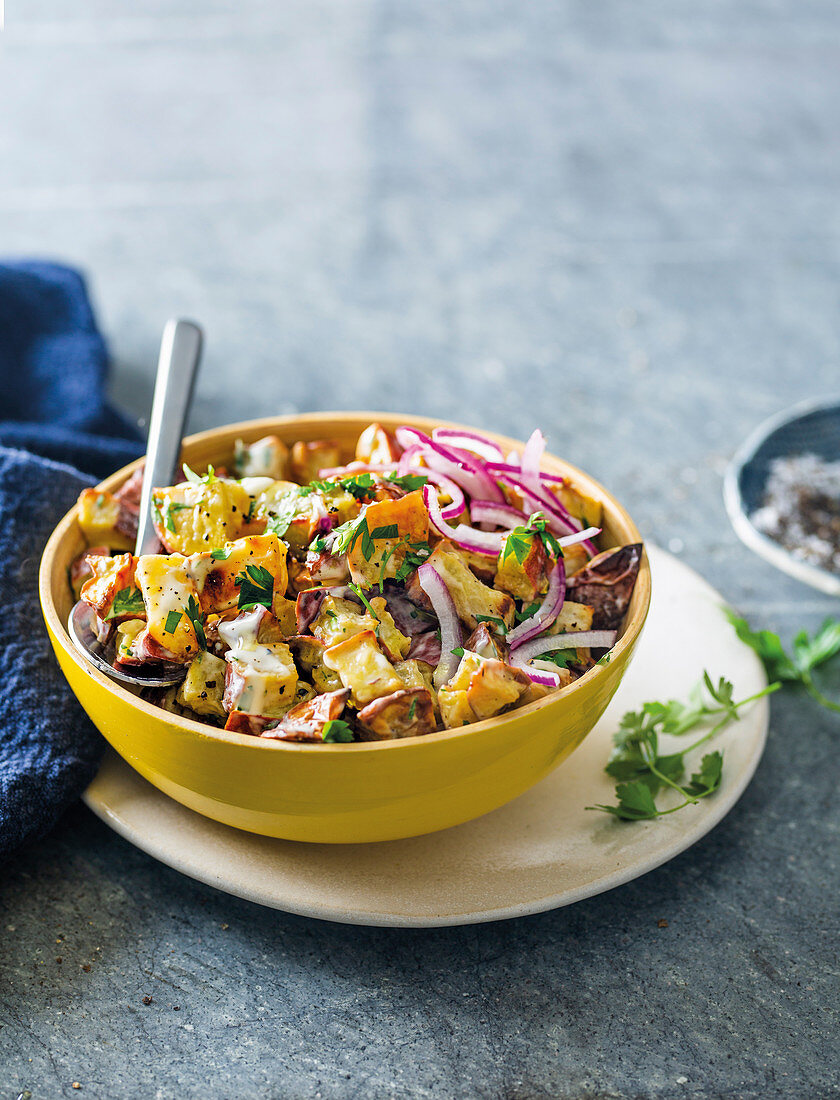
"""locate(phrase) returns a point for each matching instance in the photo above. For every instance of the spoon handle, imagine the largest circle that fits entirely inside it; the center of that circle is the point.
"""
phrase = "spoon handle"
(180, 351)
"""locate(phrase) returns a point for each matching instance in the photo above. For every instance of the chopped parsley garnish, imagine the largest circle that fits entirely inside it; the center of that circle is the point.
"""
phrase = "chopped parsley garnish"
(252, 507)
(561, 658)
(412, 710)
(256, 587)
(409, 482)
(197, 479)
(220, 555)
(280, 520)
(127, 601)
(415, 554)
(170, 507)
(644, 770)
(459, 652)
(337, 730)
(527, 612)
(194, 615)
(521, 539)
(344, 538)
(172, 620)
(358, 590)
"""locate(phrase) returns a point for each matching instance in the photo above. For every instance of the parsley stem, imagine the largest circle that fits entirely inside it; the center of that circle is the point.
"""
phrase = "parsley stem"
(735, 706)
(670, 783)
(816, 694)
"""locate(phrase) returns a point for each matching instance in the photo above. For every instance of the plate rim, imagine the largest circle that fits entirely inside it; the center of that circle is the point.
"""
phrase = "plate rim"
(546, 903)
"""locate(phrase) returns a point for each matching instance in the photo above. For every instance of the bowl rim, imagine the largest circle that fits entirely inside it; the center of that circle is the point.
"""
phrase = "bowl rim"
(253, 429)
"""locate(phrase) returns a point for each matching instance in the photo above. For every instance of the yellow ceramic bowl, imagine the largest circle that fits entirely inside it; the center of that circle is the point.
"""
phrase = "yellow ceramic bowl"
(337, 793)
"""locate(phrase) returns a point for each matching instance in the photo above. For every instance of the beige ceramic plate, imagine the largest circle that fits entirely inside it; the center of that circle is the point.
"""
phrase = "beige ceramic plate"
(539, 852)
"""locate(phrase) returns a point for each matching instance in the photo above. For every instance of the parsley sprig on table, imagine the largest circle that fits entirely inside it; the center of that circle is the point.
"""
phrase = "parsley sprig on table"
(637, 759)
(795, 667)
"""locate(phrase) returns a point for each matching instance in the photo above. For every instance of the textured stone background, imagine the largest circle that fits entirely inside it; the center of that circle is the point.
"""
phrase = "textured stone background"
(617, 220)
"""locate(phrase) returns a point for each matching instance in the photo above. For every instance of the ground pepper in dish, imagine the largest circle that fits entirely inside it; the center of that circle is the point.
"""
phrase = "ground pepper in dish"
(801, 509)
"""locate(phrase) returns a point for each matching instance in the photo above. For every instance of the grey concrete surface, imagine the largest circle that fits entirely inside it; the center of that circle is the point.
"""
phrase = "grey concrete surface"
(619, 221)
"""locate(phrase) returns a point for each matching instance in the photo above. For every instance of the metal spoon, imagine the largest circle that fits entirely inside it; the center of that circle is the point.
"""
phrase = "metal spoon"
(811, 426)
(180, 351)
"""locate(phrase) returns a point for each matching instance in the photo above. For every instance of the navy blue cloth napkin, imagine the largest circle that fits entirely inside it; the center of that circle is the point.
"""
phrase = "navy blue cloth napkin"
(57, 435)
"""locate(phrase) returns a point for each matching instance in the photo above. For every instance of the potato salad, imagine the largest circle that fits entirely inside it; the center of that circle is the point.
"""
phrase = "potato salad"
(425, 583)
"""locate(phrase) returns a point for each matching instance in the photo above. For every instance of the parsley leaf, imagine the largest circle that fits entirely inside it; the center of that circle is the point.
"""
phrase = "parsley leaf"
(409, 482)
(520, 540)
(256, 586)
(358, 590)
(412, 709)
(198, 479)
(337, 731)
(127, 601)
(193, 613)
(808, 654)
(172, 620)
(220, 555)
(636, 760)
(459, 652)
(280, 520)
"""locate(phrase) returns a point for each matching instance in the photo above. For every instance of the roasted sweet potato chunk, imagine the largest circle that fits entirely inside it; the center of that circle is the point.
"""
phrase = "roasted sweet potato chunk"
(606, 585)
(306, 720)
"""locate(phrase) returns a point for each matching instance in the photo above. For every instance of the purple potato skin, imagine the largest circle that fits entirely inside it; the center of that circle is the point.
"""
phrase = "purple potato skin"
(606, 584)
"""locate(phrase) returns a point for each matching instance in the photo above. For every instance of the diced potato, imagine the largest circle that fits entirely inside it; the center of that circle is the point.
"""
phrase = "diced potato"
(167, 586)
(110, 577)
(261, 679)
(339, 619)
(575, 557)
(587, 509)
(99, 517)
(392, 640)
(455, 710)
(481, 687)
(469, 595)
(203, 687)
(284, 611)
(525, 579)
(573, 616)
(80, 570)
(309, 458)
(268, 457)
(482, 565)
(363, 667)
(126, 635)
(190, 518)
(416, 674)
(495, 686)
(408, 521)
(376, 446)
(217, 576)
(408, 713)
(539, 691)
(310, 657)
(325, 569)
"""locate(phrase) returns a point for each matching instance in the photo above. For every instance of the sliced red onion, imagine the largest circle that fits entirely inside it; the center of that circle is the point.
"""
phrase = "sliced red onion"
(534, 450)
(547, 612)
(463, 468)
(469, 441)
(581, 639)
(407, 465)
(502, 515)
(524, 654)
(516, 468)
(472, 478)
(580, 536)
(450, 627)
(488, 543)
